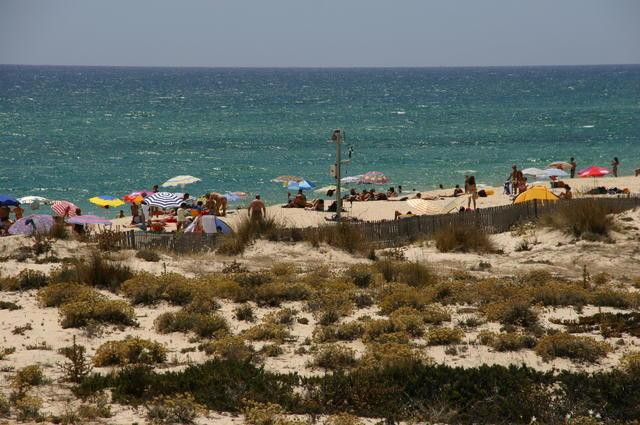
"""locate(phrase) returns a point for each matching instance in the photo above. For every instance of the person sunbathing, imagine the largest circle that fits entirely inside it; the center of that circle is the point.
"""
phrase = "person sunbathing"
(457, 191)
(300, 201)
(567, 192)
(399, 215)
(391, 193)
(316, 205)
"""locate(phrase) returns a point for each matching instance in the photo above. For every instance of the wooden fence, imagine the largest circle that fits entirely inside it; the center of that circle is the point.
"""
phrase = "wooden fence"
(391, 232)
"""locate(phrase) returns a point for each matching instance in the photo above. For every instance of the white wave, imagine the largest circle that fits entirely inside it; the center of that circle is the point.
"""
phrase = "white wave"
(466, 171)
(588, 126)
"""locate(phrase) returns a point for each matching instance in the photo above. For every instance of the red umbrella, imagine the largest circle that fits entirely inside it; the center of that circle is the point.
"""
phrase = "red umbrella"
(136, 196)
(594, 171)
(64, 208)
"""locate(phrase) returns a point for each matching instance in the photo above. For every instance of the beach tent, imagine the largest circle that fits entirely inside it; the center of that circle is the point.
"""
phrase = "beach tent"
(539, 193)
(89, 219)
(106, 201)
(34, 223)
(181, 181)
(164, 200)
(210, 224)
(8, 201)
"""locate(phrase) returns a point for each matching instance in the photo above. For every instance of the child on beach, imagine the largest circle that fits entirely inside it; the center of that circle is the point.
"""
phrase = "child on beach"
(181, 216)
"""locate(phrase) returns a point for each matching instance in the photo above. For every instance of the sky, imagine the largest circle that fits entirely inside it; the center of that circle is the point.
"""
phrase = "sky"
(319, 33)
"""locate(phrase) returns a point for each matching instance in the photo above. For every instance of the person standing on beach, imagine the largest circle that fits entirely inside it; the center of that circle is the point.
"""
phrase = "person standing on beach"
(181, 217)
(572, 161)
(614, 165)
(257, 210)
(466, 184)
(513, 178)
(473, 191)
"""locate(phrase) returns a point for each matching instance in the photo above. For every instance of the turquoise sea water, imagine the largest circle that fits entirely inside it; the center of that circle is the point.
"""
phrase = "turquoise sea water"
(75, 132)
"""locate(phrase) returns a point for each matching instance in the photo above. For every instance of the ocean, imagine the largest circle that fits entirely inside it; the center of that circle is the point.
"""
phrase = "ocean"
(75, 132)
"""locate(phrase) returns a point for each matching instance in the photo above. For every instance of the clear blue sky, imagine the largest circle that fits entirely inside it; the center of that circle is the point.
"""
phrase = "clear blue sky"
(319, 32)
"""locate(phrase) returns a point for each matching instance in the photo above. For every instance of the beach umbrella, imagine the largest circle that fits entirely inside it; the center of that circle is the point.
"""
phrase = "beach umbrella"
(561, 165)
(533, 171)
(554, 172)
(106, 201)
(34, 201)
(89, 219)
(136, 196)
(373, 177)
(594, 171)
(351, 179)
(34, 223)
(325, 189)
(422, 207)
(539, 193)
(181, 181)
(304, 185)
(64, 208)
(164, 200)
(286, 179)
(8, 201)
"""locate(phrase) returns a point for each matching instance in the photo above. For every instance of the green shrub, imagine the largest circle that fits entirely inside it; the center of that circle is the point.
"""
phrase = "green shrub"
(560, 294)
(392, 356)
(580, 348)
(267, 332)
(246, 232)
(509, 341)
(8, 305)
(256, 413)
(203, 325)
(402, 295)
(444, 336)
(108, 239)
(26, 279)
(130, 351)
(28, 408)
(586, 219)
(284, 316)
(360, 274)
(229, 347)
(28, 376)
(103, 273)
(273, 293)
(407, 319)
(271, 350)
(630, 362)
(58, 294)
(415, 274)
(177, 409)
(148, 255)
(435, 315)
(343, 419)
(78, 366)
(514, 313)
(342, 236)
(144, 288)
(462, 238)
(343, 332)
(5, 406)
(80, 313)
(245, 313)
(334, 357)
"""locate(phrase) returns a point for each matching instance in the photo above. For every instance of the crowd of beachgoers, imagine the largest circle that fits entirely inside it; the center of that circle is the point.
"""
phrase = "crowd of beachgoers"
(158, 211)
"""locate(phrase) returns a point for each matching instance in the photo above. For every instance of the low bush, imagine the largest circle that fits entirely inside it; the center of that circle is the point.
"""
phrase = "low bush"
(8, 305)
(28, 408)
(284, 316)
(108, 240)
(580, 348)
(231, 348)
(334, 357)
(130, 351)
(203, 325)
(148, 255)
(271, 350)
(267, 332)
(26, 279)
(177, 409)
(402, 295)
(58, 294)
(609, 324)
(360, 275)
(560, 294)
(103, 273)
(256, 413)
(630, 362)
(587, 218)
(79, 313)
(343, 332)
(245, 313)
(444, 336)
(343, 419)
(514, 313)
(77, 366)
(435, 315)
(462, 238)
(273, 293)
(247, 231)
(508, 341)
(5, 406)
(27, 376)
(392, 356)
(342, 236)
(383, 331)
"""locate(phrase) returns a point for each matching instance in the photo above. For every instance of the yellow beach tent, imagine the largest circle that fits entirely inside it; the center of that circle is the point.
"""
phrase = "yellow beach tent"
(539, 193)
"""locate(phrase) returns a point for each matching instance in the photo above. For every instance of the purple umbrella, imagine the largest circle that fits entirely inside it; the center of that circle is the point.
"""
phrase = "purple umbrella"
(34, 223)
(88, 219)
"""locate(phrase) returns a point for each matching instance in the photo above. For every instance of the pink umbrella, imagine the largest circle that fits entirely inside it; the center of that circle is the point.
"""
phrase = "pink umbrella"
(64, 208)
(136, 196)
(594, 171)
(88, 219)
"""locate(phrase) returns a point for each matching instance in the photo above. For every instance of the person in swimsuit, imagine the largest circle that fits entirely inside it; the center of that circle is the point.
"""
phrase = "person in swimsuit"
(473, 190)
(572, 161)
(614, 165)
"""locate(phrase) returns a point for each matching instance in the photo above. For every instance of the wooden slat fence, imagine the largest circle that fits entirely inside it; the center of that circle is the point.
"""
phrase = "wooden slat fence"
(391, 232)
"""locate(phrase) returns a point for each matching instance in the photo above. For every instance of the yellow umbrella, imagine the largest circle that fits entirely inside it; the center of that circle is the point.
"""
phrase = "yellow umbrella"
(539, 193)
(106, 201)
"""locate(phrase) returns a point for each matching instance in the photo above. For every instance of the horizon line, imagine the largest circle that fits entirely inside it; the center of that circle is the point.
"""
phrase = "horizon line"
(318, 67)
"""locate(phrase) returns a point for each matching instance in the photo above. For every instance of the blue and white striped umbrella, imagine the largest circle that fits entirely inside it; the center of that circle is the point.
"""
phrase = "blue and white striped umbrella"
(164, 200)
